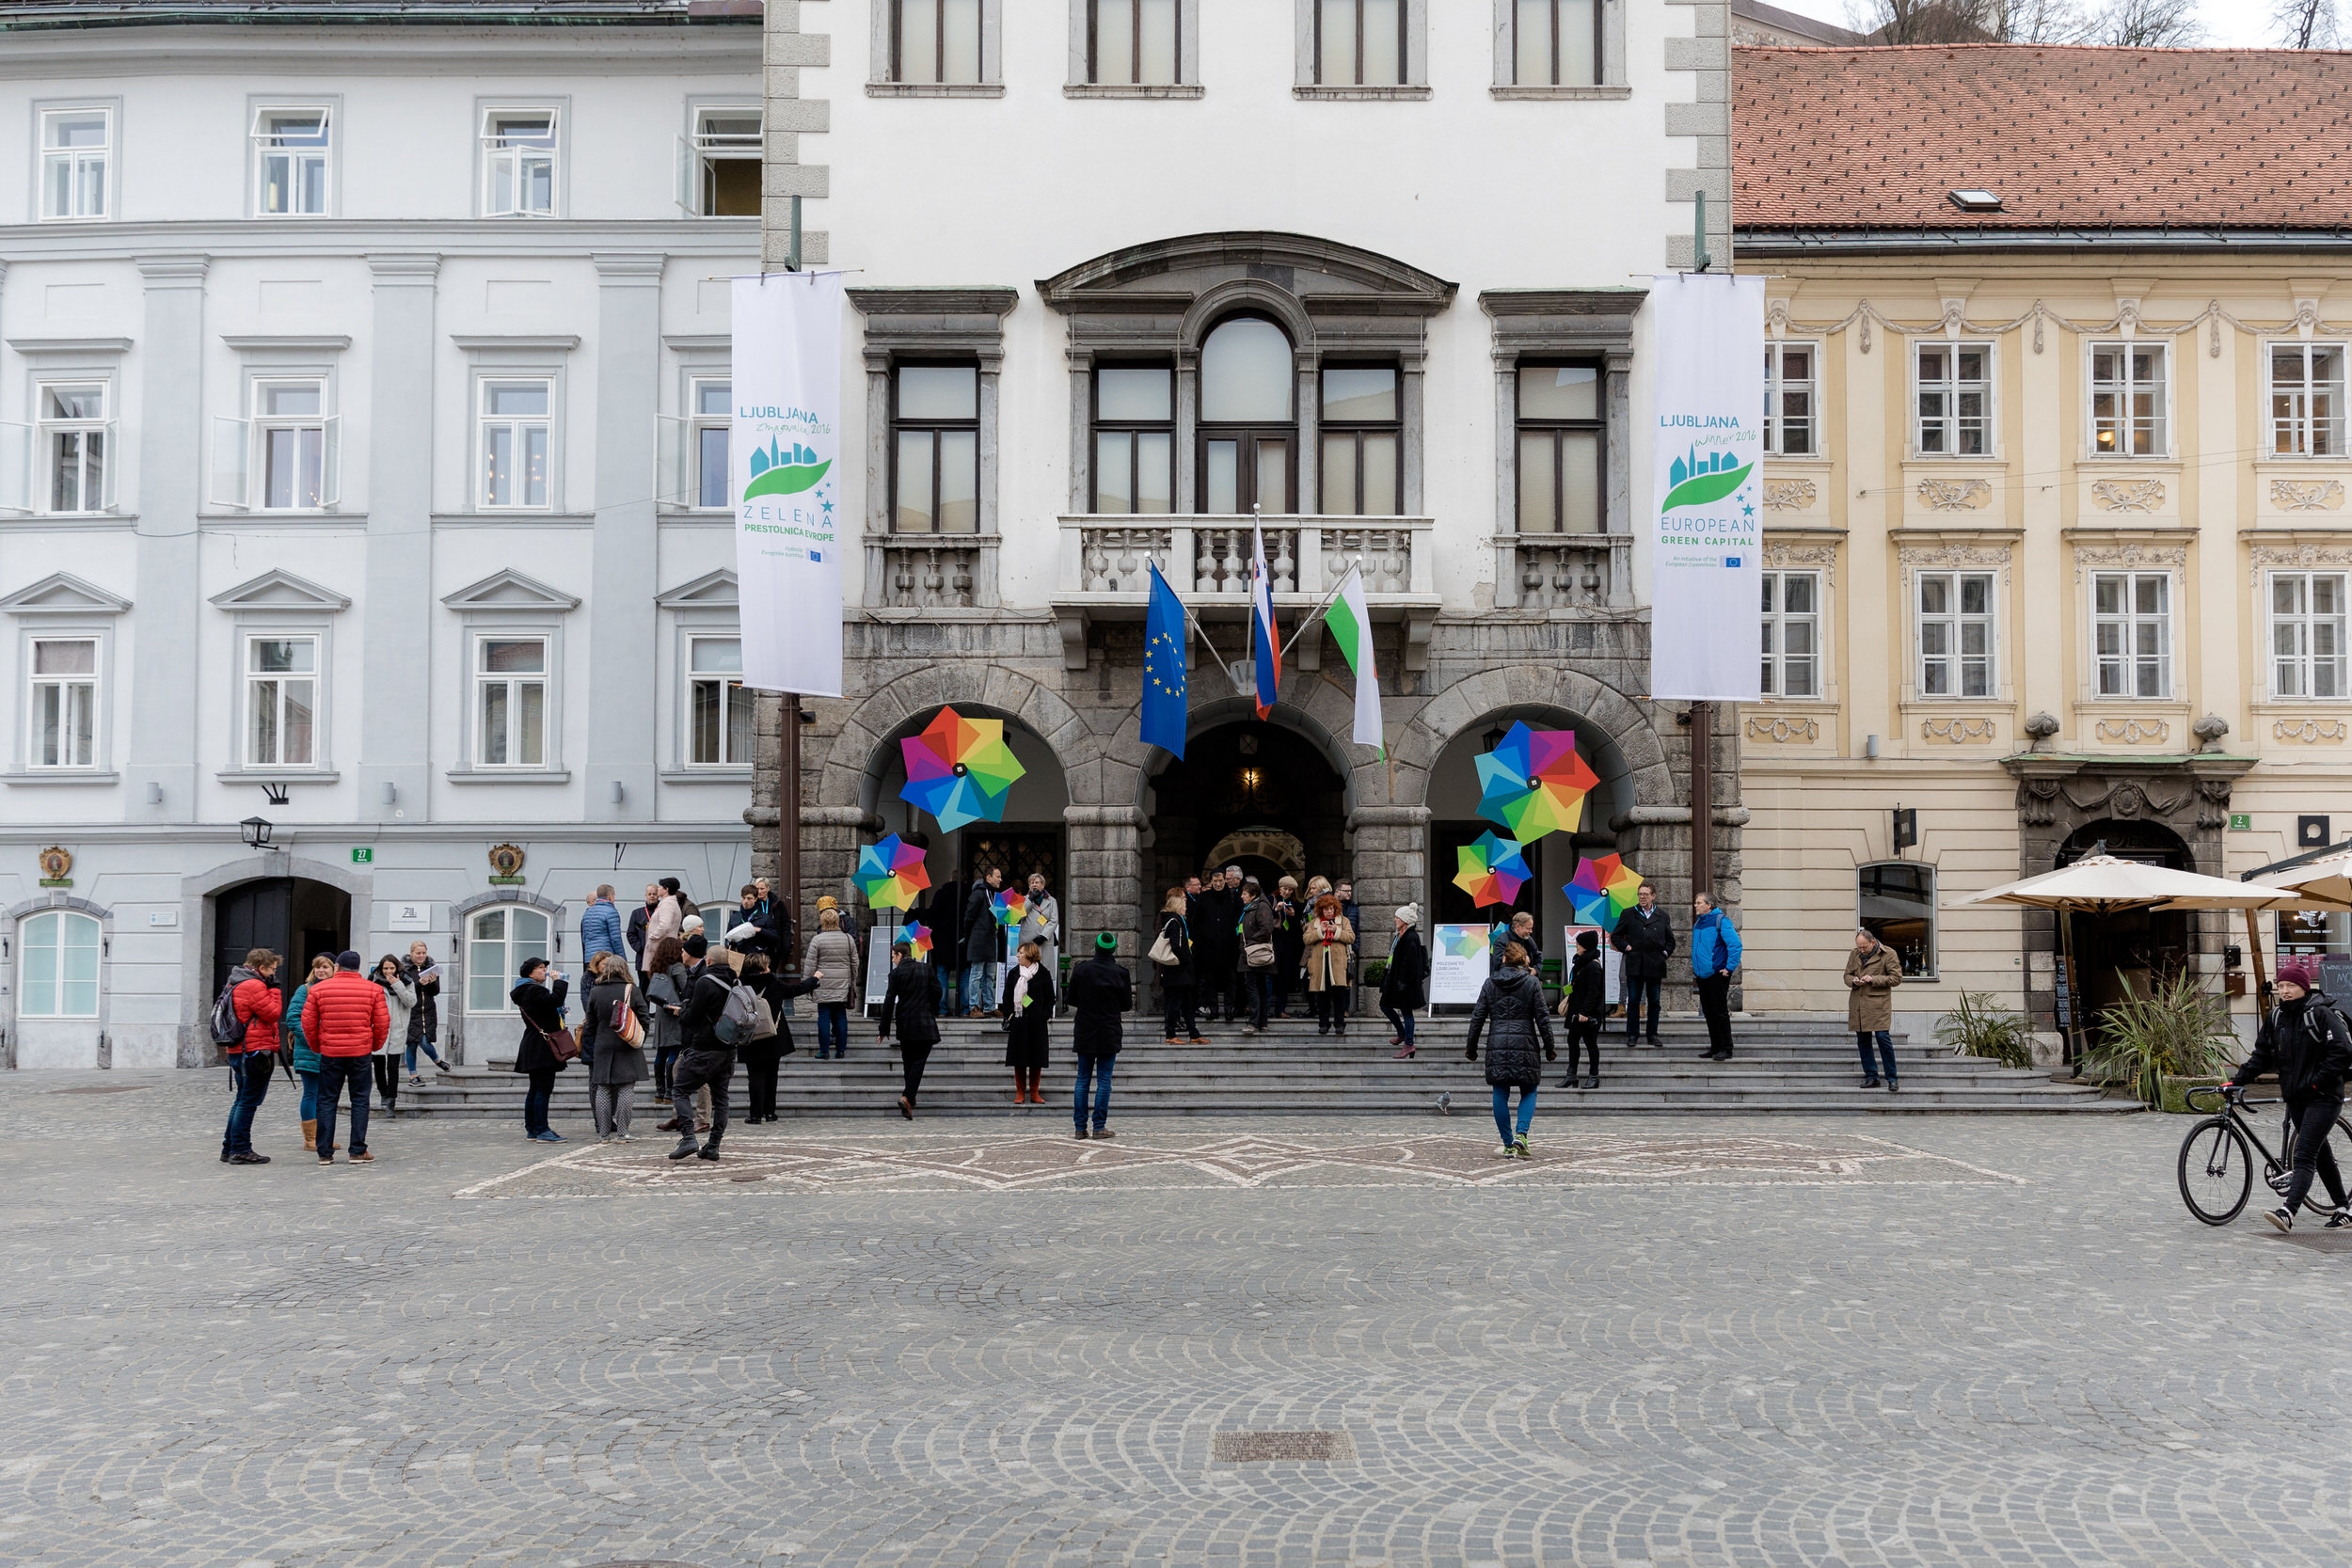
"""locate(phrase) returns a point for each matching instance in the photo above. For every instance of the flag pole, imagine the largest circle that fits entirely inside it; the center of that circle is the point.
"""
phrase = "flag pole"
(1202, 632)
(1355, 564)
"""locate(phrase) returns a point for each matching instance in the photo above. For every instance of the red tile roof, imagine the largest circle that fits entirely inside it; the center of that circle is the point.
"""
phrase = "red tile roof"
(2072, 137)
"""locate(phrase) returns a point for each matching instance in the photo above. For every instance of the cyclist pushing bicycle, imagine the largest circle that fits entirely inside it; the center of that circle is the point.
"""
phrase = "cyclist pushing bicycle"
(2304, 1041)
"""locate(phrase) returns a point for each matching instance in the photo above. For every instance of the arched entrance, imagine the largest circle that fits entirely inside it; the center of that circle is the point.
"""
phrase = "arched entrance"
(1252, 793)
(289, 915)
(1453, 820)
(2128, 953)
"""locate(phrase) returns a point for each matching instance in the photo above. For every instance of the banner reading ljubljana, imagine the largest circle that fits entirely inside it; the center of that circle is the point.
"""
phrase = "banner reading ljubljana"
(784, 457)
(1707, 545)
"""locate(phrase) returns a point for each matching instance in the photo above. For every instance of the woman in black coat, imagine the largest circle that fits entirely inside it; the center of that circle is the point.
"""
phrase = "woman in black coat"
(1028, 1010)
(1584, 1005)
(1180, 982)
(763, 1054)
(615, 1066)
(541, 1007)
(1404, 986)
(1511, 1011)
(911, 1006)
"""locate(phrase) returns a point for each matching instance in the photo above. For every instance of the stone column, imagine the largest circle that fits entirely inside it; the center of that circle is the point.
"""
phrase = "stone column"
(397, 614)
(163, 689)
(1105, 885)
(624, 728)
(1391, 867)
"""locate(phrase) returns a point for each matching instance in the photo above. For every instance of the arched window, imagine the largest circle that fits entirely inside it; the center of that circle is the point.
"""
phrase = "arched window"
(1249, 420)
(59, 973)
(1896, 902)
(497, 943)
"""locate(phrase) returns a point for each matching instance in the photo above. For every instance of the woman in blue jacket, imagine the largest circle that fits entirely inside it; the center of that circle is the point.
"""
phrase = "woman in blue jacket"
(1714, 959)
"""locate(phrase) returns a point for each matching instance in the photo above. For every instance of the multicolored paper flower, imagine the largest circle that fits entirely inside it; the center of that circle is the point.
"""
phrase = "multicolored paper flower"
(1008, 907)
(1601, 890)
(960, 769)
(891, 873)
(1463, 942)
(1492, 870)
(920, 935)
(1534, 782)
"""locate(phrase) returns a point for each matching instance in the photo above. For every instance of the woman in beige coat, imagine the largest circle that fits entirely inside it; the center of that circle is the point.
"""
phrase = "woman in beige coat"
(1872, 973)
(1328, 939)
(834, 951)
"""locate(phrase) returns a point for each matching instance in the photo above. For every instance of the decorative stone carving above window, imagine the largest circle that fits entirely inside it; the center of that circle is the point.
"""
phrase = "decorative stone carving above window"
(1949, 557)
(1780, 555)
(1778, 730)
(2129, 557)
(1958, 732)
(2129, 495)
(2311, 732)
(1790, 494)
(1956, 494)
(2133, 731)
(2307, 495)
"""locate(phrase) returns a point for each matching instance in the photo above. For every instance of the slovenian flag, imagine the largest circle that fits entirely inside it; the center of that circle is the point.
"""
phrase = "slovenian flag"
(1263, 645)
(1350, 621)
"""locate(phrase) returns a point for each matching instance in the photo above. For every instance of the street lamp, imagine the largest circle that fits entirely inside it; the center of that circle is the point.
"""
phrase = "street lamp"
(257, 831)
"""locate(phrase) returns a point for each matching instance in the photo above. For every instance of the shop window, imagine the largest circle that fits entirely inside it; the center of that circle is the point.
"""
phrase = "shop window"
(1897, 904)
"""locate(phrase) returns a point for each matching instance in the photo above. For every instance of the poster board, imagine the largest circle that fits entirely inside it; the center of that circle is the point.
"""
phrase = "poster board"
(877, 939)
(1458, 965)
(1612, 963)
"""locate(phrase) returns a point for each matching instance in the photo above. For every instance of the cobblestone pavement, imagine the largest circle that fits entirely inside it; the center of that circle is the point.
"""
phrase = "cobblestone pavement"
(1798, 1341)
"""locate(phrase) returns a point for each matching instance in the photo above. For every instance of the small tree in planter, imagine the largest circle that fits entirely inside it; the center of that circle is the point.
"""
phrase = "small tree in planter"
(2178, 1030)
(1980, 1027)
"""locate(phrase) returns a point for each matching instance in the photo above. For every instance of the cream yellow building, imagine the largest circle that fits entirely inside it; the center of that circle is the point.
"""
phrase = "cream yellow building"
(2058, 544)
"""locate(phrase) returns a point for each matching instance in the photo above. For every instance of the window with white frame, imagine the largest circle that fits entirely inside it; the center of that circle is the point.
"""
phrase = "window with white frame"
(1788, 400)
(291, 430)
(75, 441)
(1360, 43)
(510, 703)
(1135, 435)
(2307, 653)
(713, 402)
(1792, 634)
(516, 441)
(57, 977)
(292, 149)
(2307, 400)
(1560, 434)
(721, 165)
(519, 163)
(2131, 618)
(935, 431)
(1135, 43)
(498, 943)
(1955, 399)
(61, 705)
(281, 676)
(76, 162)
(935, 40)
(1555, 43)
(2127, 399)
(718, 709)
(1955, 634)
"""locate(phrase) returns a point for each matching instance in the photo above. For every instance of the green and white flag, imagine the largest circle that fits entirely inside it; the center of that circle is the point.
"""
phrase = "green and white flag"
(1351, 627)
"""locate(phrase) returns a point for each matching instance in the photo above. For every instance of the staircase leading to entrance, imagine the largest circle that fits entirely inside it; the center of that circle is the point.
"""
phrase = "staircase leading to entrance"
(1781, 1066)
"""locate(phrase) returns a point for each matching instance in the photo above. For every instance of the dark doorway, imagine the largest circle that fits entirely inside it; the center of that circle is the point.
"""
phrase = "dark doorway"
(1454, 905)
(2129, 953)
(288, 915)
(1248, 793)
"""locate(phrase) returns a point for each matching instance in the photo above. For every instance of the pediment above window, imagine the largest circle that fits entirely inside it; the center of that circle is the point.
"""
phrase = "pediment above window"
(512, 590)
(711, 591)
(63, 593)
(280, 589)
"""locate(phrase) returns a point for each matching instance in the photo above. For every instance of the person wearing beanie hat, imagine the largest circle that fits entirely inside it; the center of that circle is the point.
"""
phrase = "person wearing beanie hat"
(2305, 1043)
(1404, 987)
(1100, 993)
(1584, 1004)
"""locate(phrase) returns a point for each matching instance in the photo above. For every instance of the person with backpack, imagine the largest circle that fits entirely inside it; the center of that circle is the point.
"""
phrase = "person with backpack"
(617, 1018)
(346, 1021)
(306, 1060)
(1584, 1003)
(1511, 1011)
(1714, 961)
(911, 1007)
(772, 1037)
(245, 1026)
(831, 951)
(1101, 993)
(545, 1048)
(2304, 1042)
(717, 1019)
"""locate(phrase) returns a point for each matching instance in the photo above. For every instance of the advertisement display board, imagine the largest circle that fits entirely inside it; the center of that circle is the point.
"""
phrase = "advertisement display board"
(1458, 965)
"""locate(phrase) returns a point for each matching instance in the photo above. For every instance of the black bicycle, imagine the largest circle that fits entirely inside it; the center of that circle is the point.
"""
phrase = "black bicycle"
(2217, 1159)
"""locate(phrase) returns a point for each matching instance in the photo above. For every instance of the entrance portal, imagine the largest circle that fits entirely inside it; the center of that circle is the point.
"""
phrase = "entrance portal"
(2129, 953)
(1250, 794)
(288, 915)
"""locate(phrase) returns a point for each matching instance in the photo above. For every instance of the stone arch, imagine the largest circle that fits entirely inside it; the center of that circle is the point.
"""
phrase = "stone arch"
(858, 755)
(15, 913)
(195, 926)
(1239, 297)
(1524, 687)
(1311, 722)
(1268, 844)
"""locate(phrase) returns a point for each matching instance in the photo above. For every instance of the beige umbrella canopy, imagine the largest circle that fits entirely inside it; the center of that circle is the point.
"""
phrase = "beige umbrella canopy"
(2329, 877)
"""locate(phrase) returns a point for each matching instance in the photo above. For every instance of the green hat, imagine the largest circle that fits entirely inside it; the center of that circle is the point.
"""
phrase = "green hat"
(1106, 944)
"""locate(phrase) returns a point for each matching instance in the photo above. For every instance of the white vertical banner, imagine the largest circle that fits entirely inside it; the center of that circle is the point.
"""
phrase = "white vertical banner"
(1707, 544)
(783, 454)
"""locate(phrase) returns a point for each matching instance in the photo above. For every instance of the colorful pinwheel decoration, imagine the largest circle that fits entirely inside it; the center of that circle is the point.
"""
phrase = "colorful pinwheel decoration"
(960, 769)
(1464, 941)
(1492, 870)
(1009, 907)
(891, 873)
(1601, 890)
(920, 935)
(1534, 782)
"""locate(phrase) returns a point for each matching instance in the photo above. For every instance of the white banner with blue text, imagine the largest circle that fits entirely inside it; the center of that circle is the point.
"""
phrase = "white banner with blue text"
(784, 457)
(1707, 542)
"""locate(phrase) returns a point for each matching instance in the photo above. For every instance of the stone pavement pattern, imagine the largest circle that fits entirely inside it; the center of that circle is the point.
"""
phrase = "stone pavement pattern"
(1820, 1341)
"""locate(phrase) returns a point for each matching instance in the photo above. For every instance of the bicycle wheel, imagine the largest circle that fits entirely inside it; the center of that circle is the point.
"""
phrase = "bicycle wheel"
(2316, 1201)
(2216, 1171)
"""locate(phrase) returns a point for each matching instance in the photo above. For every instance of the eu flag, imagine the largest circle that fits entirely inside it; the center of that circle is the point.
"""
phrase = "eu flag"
(1164, 704)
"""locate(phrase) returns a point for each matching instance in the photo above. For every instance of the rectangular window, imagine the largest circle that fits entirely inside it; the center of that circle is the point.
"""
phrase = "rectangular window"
(2127, 399)
(2131, 618)
(291, 151)
(1363, 464)
(516, 438)
(63, 702)
(718, 709)
(1956, 634)
(708, 427)
(74, 441)
(1895, 903)
(289, 427)
(1555, 43)
(935, 449)
(2307, 634)
(76, 162)
(1136, 43)
(1788, 399)
(1360, 43)
(2307, 400)
(281, 702)
(1560, 432)
(1955, 393)
(1135, 438)
(935, 40)
(725, 165)
(519, 153)
(1792, 634)
(511, 701)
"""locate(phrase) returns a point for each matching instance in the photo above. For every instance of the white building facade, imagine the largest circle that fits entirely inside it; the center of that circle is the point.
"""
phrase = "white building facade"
(360, 368)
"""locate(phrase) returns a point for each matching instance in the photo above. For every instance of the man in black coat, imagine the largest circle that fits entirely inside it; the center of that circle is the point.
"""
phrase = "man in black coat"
(983, 945)
(1647, 937)
(911, 1007)
(1213, 910)
(705, 1061)
(637, 918)
(1101, 990)
(1521, 930)
(2305, 1043)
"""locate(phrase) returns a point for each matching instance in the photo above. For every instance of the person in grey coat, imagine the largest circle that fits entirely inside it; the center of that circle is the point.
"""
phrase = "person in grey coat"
(615, 1066)
(834, 951)
(1511, 1013)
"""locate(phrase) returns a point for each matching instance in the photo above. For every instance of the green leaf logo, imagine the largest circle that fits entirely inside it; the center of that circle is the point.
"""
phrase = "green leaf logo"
(787, 479)
(1701, 488)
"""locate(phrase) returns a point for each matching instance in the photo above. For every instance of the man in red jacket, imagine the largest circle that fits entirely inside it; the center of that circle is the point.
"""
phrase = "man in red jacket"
(253, 992)
(345, 1021)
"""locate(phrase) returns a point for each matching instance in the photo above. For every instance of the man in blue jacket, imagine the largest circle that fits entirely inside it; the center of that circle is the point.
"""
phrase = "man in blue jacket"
(600, 931)
(1714, 959)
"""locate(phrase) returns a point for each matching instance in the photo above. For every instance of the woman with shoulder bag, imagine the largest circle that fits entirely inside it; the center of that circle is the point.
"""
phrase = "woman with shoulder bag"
(1027, 1011)
(613, 1041)
(545, 1048)
(1172, 955)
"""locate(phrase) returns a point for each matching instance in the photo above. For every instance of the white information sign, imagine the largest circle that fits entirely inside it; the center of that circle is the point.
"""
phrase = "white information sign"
(785, 471)
(877, 940)
(1458, 965)
(1707, 540)
(408, 917)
